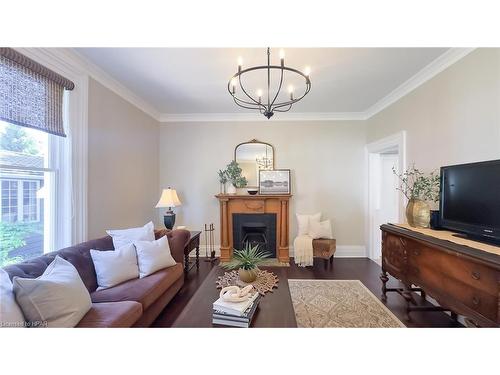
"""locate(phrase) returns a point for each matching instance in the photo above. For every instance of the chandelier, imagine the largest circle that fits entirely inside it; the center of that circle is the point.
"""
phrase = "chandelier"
(268, 104)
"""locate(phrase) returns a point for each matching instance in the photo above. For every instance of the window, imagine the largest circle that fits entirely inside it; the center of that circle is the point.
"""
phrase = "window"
(9, 201)
(25, 175)
(43, 196)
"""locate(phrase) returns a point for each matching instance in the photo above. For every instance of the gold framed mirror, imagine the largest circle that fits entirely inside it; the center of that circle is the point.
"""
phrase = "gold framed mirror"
(253, 156)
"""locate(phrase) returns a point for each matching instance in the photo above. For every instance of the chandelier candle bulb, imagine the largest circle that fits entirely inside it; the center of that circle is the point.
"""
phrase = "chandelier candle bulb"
(240, 63)
(282, 57)
(307, 71)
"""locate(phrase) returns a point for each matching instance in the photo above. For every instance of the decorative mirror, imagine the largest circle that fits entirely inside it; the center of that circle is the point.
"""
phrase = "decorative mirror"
(253, 156)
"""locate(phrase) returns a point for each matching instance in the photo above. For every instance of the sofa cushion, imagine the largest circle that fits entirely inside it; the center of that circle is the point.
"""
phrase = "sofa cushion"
(11, 314)
(112, 314)
(115, 266)
(57, 298)
(146, 290)
(123, 237)
(153, 256)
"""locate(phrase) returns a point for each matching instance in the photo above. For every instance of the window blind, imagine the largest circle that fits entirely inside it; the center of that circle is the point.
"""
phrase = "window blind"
(31, 95)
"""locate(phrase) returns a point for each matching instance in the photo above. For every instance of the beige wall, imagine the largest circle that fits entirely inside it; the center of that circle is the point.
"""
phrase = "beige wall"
(453, 118)
(123, 162)
(326, 159)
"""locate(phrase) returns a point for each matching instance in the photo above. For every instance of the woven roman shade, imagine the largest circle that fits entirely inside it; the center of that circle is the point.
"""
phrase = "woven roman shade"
(31, 95)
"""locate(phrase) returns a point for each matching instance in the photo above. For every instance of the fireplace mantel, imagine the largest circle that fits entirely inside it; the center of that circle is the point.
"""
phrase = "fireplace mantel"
(253, 204)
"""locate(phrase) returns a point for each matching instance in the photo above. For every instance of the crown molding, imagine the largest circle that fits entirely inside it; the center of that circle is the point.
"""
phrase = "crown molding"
(111, 83)
(447, 59)
(76, 62)
(246, 117)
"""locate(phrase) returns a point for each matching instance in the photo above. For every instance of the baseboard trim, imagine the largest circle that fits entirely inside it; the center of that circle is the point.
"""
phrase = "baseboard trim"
(343, 251)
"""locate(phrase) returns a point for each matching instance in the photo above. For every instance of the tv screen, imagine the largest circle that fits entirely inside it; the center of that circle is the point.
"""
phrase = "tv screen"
(470, 198)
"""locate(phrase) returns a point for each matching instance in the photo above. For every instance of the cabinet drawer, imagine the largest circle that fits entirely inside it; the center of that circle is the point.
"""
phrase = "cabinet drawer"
(469, 283)
(454, 266)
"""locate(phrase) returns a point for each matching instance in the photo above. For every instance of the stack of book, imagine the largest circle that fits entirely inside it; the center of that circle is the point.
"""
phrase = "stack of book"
(235, 314)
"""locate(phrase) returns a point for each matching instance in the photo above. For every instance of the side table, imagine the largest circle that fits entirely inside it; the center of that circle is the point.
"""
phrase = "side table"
(193, 244)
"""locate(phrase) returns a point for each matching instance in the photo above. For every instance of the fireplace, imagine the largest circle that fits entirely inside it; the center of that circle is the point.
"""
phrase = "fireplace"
(255, 229)
(260, 206)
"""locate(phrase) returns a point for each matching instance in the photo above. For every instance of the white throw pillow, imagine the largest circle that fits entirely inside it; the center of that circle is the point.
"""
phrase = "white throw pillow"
(11, 314)
(321, 229)
(115, 266)
(153, 256)
(122, 237)
(304, 222)
(58, 298)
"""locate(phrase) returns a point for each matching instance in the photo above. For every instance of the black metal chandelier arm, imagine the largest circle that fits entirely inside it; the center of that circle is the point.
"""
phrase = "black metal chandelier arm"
(291, 102)
(244, 106)
(257, 105)
(245, 92)
(283, 110)
(279, 89)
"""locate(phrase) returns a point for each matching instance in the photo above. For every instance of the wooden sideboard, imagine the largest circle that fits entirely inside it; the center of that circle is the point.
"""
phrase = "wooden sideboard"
(463, 279)
(235, 203)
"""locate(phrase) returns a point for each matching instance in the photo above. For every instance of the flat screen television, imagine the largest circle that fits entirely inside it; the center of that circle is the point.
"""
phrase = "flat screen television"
(470, 200)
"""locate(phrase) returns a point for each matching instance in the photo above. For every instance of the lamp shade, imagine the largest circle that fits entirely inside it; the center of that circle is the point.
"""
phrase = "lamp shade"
(168, 198)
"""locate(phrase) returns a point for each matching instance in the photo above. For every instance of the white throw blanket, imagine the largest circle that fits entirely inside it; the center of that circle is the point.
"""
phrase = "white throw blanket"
(303, 250)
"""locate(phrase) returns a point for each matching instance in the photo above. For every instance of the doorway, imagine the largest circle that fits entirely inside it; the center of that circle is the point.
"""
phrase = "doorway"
(385, 203)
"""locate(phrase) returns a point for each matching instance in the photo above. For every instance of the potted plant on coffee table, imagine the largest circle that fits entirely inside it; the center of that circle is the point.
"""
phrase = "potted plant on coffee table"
(246, 261)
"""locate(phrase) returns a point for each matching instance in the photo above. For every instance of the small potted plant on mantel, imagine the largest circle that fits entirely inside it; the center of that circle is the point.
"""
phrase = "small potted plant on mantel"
(234, 177)
(420, 189)
(246, 261)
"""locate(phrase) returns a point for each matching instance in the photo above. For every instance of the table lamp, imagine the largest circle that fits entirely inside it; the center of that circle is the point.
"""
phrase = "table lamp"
(169, 199)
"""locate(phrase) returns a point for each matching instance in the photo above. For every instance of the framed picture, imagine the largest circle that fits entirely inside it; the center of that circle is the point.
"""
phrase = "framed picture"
(274, 182)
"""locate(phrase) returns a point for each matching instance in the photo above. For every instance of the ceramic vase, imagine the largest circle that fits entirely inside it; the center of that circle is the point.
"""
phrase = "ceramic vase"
(231, 189)
(247, 276)
(418, 213)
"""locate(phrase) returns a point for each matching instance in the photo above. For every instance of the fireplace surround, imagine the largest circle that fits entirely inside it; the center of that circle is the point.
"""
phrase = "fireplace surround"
(278, 205)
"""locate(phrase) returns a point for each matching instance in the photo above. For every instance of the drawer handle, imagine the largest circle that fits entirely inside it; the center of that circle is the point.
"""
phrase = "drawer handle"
(475, 300)
(476, 275)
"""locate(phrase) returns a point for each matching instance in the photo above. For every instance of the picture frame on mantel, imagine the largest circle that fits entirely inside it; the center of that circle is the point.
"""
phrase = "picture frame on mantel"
(274, 182)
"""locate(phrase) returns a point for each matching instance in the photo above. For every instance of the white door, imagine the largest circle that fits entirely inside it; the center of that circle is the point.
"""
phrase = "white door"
(386, 209)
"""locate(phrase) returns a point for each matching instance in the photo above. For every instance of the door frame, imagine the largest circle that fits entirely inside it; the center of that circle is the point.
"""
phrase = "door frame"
(373, 150)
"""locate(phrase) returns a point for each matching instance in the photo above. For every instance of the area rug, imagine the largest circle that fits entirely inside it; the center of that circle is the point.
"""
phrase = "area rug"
(340, 304)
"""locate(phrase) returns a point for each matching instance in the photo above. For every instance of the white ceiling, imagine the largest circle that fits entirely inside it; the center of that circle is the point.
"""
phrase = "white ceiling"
(194, 80)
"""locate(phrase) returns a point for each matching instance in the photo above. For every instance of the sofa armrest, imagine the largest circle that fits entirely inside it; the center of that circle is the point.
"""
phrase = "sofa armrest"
(177, 240)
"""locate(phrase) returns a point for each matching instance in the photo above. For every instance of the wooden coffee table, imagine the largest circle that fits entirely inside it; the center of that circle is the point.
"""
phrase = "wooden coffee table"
(275, 309)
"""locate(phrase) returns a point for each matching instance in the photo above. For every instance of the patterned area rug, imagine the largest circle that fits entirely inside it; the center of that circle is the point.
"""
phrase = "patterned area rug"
(339, 303)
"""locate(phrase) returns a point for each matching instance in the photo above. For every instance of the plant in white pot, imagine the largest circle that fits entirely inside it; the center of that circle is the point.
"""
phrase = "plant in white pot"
(235, 179)
(420, 189)
(246, 261)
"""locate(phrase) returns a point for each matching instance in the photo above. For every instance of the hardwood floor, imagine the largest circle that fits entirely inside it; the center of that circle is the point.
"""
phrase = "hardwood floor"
(362, 269)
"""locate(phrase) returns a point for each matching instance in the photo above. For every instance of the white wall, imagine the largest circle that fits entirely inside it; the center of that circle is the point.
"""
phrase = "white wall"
(326, 159)
(123, 164)
(453, 118)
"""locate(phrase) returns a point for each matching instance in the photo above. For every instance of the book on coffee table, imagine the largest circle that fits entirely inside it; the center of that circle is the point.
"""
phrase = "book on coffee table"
(235, 308)
(226, 319)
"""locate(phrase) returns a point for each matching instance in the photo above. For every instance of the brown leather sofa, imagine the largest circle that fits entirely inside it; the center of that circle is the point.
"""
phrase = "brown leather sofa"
(135, 302)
